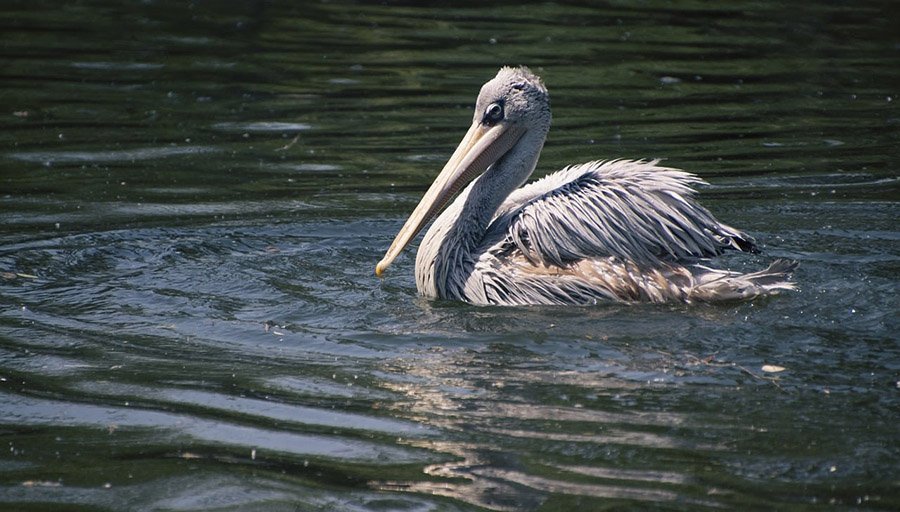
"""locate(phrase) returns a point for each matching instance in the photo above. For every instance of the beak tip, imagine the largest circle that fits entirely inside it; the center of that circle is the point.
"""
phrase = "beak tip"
(379, 269)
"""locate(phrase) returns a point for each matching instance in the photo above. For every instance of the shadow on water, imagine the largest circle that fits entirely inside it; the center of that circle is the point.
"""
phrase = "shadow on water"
(194, 198)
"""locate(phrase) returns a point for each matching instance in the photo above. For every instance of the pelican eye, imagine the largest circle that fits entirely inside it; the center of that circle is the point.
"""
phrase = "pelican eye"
(493, 114)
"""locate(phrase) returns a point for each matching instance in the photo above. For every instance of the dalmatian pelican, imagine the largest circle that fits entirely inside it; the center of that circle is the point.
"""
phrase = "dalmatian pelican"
(620, 230)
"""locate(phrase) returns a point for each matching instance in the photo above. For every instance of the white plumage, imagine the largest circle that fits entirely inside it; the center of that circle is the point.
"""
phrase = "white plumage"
(619, 230)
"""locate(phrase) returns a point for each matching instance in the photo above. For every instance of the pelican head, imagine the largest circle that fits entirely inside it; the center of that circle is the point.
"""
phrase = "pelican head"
(512, 110)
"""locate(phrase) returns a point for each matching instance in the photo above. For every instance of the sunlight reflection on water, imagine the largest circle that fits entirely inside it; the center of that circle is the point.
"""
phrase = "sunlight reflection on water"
(193, 198)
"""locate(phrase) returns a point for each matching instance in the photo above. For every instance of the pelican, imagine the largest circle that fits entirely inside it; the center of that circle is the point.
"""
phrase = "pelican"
(620, 230)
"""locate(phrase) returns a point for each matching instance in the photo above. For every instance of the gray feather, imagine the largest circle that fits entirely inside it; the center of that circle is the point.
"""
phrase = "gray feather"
(634, 210)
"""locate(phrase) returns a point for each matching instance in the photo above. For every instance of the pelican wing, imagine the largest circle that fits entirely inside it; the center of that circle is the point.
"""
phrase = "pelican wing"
(634, 210)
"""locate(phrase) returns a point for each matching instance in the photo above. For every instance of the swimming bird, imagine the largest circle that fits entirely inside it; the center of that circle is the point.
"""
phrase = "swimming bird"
(619, 230)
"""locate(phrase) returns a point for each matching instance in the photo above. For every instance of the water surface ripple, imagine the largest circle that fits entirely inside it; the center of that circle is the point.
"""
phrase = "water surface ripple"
(193, 198)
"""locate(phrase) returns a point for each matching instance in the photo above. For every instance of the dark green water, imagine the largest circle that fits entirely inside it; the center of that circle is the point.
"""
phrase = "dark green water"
(193, 198)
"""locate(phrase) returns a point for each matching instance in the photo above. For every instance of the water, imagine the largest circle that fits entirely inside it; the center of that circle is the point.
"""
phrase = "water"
(194, 198)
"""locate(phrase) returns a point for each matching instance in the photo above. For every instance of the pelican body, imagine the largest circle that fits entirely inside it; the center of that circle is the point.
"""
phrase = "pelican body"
(621, 230)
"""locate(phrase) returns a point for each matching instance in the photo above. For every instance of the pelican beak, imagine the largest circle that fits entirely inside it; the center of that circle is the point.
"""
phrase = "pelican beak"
(481, 147)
